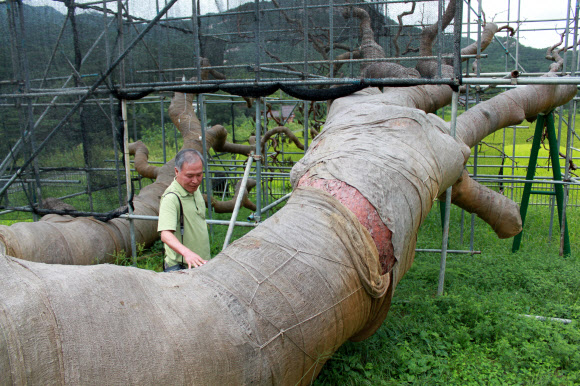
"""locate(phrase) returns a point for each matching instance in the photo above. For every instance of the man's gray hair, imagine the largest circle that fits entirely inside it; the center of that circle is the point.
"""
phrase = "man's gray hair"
(189, 156)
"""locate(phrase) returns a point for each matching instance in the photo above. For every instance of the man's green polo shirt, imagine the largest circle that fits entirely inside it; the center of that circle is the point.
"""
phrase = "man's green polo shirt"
(195, 236)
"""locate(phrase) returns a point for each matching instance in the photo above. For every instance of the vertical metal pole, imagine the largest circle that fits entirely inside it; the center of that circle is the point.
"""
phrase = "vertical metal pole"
(264, 159)
(559, 190)
(121, 40)
(14, 41)
(128, 178)
(82, 111)
(467, 108)
(258, 213)
(507, 39)
(257, 41)
(233, 120)
(112, 109)
(561, 114)
(306, 116)
(207, 179)
(197, 44)
(132, 70)
(453, 123)
(86, 157)
(201, 112)
(440, 11)
(452, 127)
(518, 38)
(257, 38)
(477, 98)
(503, 149)
(513, 163)
(331, 36)
(35, 188)
(305, 32)
(564, 243)
(351, 49)
(163, 133)
(461, 228)
(158, 33)
(387, 29)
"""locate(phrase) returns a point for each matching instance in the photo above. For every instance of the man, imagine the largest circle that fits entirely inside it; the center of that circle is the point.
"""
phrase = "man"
(182, 204)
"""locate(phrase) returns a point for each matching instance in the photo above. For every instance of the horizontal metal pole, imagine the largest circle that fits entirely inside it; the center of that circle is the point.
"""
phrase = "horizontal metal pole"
(278, 201)
(269, 174)
(449, 251)
(215, 222)
(522, 74)
(575, 80)
(207, 86)
(251, 67)
(526, 181)
(545, 318)
(45, 181)
(544, 192)
(62, 104)
(69, 169)
(242, 166)
(209, 102)
(510, 166)
(48, 211)
(500, 177)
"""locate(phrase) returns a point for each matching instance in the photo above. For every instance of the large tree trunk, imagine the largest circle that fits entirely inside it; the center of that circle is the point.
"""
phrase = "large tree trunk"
(274, 305)
(83, 241)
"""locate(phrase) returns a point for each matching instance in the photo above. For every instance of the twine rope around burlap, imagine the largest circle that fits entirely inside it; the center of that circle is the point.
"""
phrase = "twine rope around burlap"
(375, 288)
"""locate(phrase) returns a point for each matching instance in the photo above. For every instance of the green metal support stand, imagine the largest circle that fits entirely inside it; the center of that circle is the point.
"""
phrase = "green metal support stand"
(548, 121)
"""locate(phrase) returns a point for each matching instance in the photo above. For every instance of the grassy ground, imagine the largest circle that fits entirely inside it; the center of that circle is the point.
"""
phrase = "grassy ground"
(475, 333)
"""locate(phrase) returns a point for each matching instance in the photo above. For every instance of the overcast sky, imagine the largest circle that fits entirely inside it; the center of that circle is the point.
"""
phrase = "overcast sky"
(531, 10)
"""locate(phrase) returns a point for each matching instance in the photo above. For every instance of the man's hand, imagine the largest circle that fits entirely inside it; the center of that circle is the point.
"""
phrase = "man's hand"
(190, 257)
(193, 259)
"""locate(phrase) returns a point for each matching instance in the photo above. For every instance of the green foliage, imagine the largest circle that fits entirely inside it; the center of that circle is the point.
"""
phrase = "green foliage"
(476, 332)
(151, 259)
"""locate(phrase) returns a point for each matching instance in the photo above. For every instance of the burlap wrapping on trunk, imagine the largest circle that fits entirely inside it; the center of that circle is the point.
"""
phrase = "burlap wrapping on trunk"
(66, 240)
(400, 159)
(271, 308)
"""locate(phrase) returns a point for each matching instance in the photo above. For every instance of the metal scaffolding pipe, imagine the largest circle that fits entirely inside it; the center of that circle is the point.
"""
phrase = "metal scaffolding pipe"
(87, 95)
(519, 81)
(449, 251)
(238, 201)
(278, 201)
(208, 221)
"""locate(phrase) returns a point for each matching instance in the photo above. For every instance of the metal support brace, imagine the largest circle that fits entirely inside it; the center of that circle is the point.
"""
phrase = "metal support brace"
(238, 201)
(128, 179)
(548, 121)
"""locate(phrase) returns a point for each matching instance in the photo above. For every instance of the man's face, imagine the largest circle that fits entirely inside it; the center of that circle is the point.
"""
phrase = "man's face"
(190, 175)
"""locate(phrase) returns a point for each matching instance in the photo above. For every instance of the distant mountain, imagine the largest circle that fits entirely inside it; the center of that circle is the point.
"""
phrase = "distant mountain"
(531, 59)
(228, 36)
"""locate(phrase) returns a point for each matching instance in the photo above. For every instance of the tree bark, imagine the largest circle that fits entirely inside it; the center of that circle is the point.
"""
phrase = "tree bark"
(275, 305)
(60, 239)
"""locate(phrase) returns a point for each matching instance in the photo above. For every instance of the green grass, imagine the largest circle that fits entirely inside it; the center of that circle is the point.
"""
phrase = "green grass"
(475, 333)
